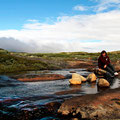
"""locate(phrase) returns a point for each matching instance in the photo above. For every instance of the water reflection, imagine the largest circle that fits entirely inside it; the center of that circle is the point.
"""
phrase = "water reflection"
(75, 86)
(93, 85)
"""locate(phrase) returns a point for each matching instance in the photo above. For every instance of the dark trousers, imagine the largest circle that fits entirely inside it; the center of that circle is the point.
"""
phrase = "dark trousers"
(110, 69)
(110, 73)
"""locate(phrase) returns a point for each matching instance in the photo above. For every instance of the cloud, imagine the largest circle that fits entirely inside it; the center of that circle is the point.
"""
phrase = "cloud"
(89, 33)
(12, 44)
(80, 8)
(108, 1)
(101, 6)
(107, 5)
(15, 45)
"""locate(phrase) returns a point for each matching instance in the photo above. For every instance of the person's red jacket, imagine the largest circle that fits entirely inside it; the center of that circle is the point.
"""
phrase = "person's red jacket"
(102, 61)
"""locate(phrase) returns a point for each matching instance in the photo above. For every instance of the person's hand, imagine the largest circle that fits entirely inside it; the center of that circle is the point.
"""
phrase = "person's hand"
(99, 69)
(105, 66)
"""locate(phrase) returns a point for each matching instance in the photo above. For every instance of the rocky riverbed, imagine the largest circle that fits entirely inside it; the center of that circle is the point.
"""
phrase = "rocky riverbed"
(54, 99)
(104, 105)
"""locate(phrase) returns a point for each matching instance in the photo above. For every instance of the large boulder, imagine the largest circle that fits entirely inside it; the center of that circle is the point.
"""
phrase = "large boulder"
(78, 76)
(91, 77)
(103, 83)
(83, 78)
(101, 71)
(77, 79)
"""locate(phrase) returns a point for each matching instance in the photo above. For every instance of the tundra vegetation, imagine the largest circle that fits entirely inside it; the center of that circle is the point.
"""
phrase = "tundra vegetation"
(21, 61)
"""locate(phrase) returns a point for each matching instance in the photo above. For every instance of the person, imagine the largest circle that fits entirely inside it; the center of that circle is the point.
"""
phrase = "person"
(105, 64)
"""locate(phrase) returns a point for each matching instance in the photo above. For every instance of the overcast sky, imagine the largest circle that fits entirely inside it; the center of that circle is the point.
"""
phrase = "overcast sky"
(60, 25)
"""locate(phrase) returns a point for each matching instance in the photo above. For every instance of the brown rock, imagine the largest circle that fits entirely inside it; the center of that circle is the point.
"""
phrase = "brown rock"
(101, 71)
(43, 77)
(103, 83)
(96, 71)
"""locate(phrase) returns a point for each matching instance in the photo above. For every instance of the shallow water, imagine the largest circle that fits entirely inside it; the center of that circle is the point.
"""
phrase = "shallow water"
(39, 93)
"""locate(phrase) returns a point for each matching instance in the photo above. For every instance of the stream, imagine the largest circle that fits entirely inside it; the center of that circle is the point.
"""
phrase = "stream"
(18, 94)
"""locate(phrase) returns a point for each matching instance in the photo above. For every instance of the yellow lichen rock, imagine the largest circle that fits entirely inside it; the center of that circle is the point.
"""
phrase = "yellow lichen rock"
(83, 78)
(77, 79)
(103, 83)
(91, 77)
(78, 76)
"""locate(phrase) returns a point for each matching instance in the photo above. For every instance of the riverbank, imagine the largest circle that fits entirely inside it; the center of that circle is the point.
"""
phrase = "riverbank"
(101, 106)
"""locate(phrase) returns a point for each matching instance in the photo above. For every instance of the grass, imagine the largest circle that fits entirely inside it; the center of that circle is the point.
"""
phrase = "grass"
(63, 55)
(14, 62)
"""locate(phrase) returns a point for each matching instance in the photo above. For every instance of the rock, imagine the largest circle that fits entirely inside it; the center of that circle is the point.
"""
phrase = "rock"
(42, 77)
(99, 106)
(91, 77)
(103, 83)
(96, 71)
(101, 71)
(78, 76)
(77, 79)
(53, 106)
(83, 79)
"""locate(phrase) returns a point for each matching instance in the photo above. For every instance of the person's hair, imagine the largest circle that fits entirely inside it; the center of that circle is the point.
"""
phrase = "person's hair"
(103, 52)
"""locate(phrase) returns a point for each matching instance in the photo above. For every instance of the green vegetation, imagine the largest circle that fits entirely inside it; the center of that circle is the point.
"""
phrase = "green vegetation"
(63, 55)
(114, 55)
(14, 62)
